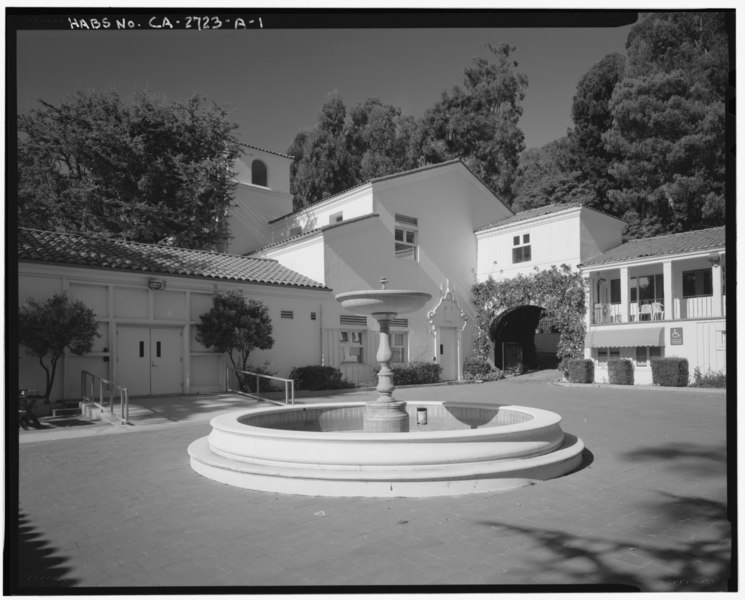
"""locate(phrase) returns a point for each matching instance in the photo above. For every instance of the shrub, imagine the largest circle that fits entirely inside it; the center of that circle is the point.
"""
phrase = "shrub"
(711, 379)
(581, 370)
(317, 377)
(621, 371)
(671, 371)
(476, 369)
(414, 373)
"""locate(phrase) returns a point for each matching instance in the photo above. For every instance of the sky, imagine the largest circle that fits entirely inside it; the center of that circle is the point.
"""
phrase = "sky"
(273, 80)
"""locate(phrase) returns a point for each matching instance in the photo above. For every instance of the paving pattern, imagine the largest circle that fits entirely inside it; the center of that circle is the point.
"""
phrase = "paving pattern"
(647, 511)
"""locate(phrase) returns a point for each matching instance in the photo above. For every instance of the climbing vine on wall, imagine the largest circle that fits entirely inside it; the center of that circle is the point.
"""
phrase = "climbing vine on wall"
(558, 290)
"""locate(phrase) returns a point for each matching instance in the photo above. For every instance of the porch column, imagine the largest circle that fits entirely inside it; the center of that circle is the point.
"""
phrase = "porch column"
(624, 294)
(716, 284)
(667, 286)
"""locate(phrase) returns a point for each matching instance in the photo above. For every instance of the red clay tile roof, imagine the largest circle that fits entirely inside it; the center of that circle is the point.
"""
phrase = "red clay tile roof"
(662, 245)
(110, 253)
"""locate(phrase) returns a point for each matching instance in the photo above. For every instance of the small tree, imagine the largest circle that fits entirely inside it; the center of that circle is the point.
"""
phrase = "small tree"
(236, 327)
(46, 330)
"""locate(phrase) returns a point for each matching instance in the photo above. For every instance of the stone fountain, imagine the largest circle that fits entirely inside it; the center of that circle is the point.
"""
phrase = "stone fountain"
(382, 447)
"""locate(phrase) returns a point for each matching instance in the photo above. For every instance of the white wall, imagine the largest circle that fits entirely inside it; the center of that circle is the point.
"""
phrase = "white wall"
(554, 241)
(120, 299)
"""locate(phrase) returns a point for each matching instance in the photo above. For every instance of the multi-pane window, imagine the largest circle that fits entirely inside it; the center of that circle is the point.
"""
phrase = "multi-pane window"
(521, 248)
(606, 354)
(646, 289)
(646, 353)
(351, 346)
(398, 347)
(405, 237)
(697, 283)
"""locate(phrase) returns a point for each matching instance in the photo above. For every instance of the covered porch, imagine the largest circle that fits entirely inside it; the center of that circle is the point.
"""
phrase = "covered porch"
(659, 290)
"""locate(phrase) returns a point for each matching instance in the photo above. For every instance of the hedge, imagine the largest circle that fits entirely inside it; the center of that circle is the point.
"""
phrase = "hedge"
(671, 371)
(710, 379)
(621, 371)
(316, 377)
(476, 369)
(414, 373)
(581, 370)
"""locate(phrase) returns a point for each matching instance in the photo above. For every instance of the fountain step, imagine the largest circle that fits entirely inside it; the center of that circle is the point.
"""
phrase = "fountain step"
(420, 481)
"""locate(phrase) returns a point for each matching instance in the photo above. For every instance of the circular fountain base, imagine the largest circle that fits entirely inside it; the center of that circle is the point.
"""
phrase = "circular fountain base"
(321, 450)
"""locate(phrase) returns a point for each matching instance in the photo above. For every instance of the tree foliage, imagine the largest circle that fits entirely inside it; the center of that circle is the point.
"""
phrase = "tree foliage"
(667, 137)
(592, 117)
(479, 121)
(544, 177)
(559, 291)
(236, 327)
(46, 330)
(141, 168)
(476, 122)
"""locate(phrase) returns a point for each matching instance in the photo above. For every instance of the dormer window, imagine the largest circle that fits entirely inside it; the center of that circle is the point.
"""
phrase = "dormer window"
(521, 248)
(258, 173)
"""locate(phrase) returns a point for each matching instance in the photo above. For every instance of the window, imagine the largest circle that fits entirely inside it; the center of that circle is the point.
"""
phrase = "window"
(697, 283)
(646, 289)
(615, 291)
(351, 346)
(398, 347)
(521, 251)
(646, 353)
(606, 354)
(258, 173)
(336, 218)
(405, 236)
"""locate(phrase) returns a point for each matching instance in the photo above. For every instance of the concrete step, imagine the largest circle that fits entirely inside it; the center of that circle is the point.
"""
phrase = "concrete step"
(67, 412)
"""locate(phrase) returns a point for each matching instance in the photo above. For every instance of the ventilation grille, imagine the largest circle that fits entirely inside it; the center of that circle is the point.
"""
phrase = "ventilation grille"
(353, 320)
(287, 314)
(404, 323)
(407, 220)
(312, 316)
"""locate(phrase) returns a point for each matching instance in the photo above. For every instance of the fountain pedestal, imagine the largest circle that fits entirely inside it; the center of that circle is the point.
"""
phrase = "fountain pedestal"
(384, 414)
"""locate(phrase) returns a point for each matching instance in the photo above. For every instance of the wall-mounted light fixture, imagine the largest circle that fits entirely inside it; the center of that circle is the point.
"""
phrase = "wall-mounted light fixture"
(714, 258)
(156, 284)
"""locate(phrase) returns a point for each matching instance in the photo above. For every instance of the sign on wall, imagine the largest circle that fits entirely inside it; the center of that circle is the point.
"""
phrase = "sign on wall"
(676, 336)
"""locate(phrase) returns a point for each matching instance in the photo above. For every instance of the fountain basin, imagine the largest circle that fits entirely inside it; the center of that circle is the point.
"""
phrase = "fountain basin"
(321, 450)
(391, 302)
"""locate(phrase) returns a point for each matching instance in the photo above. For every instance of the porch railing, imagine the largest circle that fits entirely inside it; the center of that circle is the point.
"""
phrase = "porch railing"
(250, 377)
(106, 395)
(696, 307)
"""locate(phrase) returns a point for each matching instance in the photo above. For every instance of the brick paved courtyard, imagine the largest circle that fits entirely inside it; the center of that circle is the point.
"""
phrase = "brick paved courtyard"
(648, 510)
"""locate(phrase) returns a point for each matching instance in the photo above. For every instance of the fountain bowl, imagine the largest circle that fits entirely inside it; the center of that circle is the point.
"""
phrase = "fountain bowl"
(391, 302)
(321, 450)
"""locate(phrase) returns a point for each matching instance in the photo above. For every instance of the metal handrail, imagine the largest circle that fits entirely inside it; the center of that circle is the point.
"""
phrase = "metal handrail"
(88, 393)
(289, 384)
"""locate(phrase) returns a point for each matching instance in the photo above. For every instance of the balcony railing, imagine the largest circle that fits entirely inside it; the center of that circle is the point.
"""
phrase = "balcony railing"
(697, 307)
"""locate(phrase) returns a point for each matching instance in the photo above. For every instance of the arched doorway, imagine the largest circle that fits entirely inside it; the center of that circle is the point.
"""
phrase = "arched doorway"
(516, 343)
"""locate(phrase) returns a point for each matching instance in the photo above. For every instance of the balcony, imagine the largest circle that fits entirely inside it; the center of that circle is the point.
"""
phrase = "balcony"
(691, 308)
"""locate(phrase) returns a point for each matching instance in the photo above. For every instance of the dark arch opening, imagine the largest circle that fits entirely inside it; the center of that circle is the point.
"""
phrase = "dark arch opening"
(258, 173)
(513, 334)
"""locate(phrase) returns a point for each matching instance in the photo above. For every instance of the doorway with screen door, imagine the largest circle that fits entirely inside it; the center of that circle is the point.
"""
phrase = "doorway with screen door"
(150, 360)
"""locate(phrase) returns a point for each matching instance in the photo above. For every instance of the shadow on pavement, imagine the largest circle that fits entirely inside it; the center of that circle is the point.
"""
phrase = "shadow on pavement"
(39, 564)
(691, 565)
(695, 460)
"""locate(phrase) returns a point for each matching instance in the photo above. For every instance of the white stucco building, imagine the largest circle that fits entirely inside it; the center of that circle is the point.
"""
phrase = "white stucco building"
(436, 229)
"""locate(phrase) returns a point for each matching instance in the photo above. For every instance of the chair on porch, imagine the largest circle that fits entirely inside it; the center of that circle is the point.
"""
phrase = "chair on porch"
(657, 311)
(645, 313)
